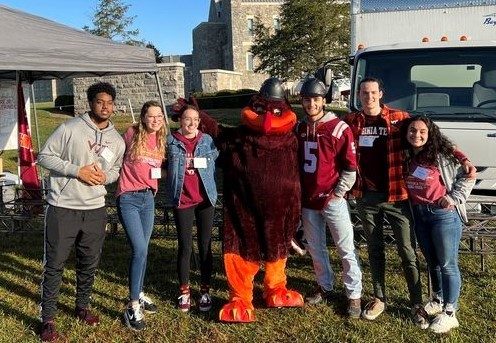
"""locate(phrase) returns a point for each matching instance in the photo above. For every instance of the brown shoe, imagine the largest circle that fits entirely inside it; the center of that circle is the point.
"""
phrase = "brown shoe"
(84, 315)
(48, 332)
(354, 308)
(373, 309)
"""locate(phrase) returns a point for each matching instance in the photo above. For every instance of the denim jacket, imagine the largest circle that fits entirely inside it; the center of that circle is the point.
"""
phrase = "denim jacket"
(176, 164)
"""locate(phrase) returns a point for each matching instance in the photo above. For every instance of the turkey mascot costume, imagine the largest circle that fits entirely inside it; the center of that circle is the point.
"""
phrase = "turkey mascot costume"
(261, 189)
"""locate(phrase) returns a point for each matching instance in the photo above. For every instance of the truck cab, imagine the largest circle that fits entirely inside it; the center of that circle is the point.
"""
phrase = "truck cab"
(454, 83)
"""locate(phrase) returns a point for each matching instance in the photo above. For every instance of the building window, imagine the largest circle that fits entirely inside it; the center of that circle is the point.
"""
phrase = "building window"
(219, 9)
(249, 61)
(277, 23)
(250, 26)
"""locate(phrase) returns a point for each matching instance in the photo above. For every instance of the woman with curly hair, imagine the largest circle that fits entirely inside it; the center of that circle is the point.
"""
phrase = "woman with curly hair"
(138, 184)
(438, 190)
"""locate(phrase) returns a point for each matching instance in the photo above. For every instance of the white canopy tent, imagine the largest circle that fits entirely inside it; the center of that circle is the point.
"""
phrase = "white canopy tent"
(34, 48)
(43, 49)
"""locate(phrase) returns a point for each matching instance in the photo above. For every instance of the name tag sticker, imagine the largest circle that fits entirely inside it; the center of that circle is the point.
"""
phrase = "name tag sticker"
(366, 141)
(200, 162)
(421, 173)
(107, 154)
(156, 173)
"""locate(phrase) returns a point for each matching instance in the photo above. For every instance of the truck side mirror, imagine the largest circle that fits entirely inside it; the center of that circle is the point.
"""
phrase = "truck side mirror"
(325, 75)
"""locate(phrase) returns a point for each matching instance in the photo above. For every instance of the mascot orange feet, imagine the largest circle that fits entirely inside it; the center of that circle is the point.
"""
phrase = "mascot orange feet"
(283, 297)
(237, 311)
(240, 274)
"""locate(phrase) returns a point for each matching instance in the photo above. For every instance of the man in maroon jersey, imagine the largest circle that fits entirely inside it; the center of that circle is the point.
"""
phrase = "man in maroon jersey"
(327, 159)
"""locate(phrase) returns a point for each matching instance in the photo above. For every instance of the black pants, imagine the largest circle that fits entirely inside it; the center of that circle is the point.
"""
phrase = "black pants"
(65, 228)
(204, 215)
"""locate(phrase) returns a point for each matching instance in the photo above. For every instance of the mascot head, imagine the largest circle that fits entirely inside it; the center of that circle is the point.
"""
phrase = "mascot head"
(268, 111)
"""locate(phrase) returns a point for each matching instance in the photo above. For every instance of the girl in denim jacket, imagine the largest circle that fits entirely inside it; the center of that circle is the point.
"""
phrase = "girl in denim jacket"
(192, 193)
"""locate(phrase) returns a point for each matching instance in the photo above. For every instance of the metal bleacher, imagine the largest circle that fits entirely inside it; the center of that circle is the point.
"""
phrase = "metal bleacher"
(478, 237)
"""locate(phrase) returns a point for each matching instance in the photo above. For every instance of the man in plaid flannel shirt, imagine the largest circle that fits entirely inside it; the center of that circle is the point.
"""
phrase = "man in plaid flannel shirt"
(380, 191)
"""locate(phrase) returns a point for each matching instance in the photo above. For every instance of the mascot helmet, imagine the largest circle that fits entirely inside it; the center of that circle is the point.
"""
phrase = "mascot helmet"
(272, 89)
(313, 87)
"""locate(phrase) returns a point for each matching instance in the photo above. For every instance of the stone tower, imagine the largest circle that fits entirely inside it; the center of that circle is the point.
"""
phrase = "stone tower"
(221, 46)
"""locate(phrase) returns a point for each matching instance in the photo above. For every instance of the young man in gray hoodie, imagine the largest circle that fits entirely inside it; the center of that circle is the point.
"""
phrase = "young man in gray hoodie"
(82, 155)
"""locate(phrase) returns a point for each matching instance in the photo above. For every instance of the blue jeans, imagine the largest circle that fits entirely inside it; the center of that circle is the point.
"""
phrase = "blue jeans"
(438, 232)
(337, 217)
(137, 214)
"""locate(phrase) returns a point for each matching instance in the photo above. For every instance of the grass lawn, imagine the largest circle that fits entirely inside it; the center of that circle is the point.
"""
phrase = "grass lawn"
(21, 267)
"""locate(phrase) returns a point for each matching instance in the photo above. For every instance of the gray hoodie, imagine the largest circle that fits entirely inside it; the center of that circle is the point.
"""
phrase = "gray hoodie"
(74, 144)
(457, 185)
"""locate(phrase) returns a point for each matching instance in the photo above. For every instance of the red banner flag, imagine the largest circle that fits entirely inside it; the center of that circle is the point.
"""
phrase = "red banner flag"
(28, 170)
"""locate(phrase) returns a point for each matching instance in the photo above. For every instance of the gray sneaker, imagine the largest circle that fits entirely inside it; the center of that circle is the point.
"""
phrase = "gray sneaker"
(420, 316)
(133, 317)
(354, 308)
(320, 295)
(147, 304)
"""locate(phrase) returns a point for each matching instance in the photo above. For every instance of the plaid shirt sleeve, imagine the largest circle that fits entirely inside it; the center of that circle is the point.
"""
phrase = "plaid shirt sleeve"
(397, 190)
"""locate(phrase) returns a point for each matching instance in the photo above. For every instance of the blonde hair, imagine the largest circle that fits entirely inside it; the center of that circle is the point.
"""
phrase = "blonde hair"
(138, 144)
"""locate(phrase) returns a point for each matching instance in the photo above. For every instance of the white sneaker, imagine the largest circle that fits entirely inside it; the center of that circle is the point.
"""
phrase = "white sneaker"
(444, 322)
(184, 302)
(434, 307)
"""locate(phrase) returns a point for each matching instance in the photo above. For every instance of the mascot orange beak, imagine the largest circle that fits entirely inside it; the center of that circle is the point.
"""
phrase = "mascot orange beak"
(269, 123)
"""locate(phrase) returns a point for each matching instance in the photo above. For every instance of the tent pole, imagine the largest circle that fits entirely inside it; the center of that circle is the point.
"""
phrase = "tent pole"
(18, 78)
(35, 117)
(37, 131)
(161, 95)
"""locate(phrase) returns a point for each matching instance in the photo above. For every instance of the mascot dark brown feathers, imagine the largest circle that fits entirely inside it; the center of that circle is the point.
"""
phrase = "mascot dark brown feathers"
(261, 200)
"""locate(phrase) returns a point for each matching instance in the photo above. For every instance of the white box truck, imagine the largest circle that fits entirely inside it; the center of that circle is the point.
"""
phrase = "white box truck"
(436, 58)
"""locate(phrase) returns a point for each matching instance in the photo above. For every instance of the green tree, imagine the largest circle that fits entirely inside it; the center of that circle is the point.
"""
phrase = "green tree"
(311, 33)
(111, 21)
(158, 55)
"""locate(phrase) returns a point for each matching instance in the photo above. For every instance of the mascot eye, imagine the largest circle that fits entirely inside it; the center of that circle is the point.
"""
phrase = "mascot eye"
(277, 112)
(260, 109)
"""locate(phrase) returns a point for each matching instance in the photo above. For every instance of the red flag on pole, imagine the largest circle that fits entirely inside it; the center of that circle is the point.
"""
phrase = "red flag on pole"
(28, 170)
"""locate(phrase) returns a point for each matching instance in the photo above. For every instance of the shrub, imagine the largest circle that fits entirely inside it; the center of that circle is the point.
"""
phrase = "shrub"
(65, 103)
(224, 98)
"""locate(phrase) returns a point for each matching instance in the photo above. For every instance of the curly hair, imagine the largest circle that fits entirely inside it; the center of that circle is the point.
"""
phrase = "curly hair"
(140, 133)
(100, 87)
(437, 143)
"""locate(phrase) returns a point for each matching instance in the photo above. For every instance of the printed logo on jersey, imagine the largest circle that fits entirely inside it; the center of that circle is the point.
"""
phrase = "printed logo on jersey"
(95, 147)
(190, 169)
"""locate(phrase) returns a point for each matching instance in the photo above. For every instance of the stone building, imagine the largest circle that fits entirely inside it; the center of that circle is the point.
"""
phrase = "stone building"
(221, 57)
(135, 89)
